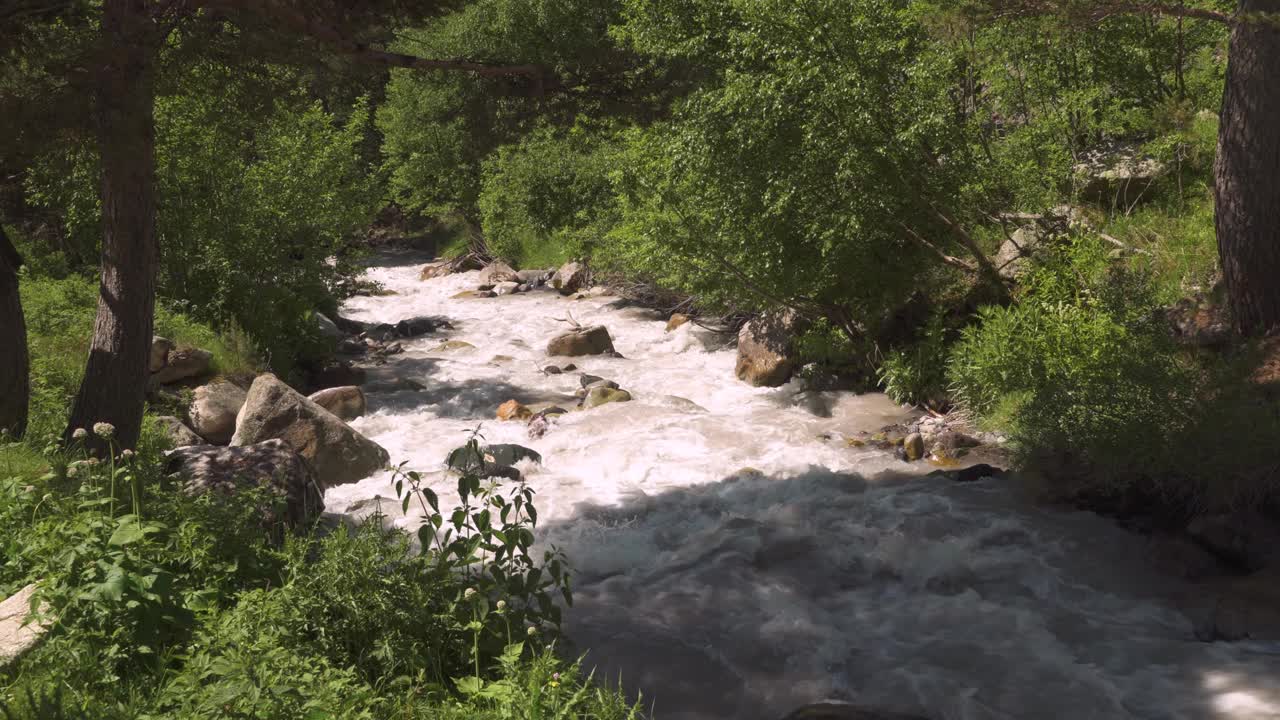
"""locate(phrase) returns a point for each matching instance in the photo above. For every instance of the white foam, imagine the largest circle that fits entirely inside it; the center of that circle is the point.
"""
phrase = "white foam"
(721, 592)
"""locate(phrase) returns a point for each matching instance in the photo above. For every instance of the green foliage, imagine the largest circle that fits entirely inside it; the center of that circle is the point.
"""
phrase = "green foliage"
(801, 172)
(549, 198)
(1089, 383)
(917, 374)
(252, 205)
(59, 318)
(169, 606)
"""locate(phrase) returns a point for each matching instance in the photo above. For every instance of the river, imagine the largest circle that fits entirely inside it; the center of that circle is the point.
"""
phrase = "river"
(732, 563)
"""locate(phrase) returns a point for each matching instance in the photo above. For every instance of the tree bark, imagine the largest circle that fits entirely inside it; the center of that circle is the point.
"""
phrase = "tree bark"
(15, 369)
(1247, 171)
(115, 379)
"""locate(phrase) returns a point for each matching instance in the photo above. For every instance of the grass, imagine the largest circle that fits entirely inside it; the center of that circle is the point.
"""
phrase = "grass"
(1177, 245)
(59, 315)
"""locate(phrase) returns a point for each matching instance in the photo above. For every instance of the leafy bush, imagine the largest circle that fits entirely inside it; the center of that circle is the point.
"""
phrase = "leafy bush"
(169, 606)
(1090, 384)
(548, 199)
(917, 374)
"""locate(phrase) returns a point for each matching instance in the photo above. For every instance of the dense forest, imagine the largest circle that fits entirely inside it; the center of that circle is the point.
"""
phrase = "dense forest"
(1052, 222)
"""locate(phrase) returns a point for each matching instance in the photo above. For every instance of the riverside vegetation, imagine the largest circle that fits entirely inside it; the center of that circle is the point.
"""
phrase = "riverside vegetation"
(1007, 216)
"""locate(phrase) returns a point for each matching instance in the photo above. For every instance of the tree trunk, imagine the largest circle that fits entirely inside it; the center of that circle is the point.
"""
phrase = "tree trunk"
(15, 383)
(1247, 172)
(115, 379)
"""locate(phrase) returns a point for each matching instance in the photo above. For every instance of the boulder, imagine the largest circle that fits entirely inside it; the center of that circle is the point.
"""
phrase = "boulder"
(1117, 174)
(498, 272)
(17, 636)
(552, 370)
(587, 380)
(766, 354)
(913, 447)
(327, 327)
(598, 396)
(510, 454)
(347, 402)
(677, 319)
(593, 340)
(506, 288)
(415, 326)
(569, 278)
(513, 410)
(1244, 538)
(184, 364)
(434, 270)
(160, 348)
(179, 434)
(339, 454)
(474, 295)
(1014, 256)
(534, 278)
(214, 409)
(271, 464)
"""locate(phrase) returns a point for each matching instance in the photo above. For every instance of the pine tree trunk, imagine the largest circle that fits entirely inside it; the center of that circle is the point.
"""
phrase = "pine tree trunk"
(1247, 173)
(115, 379)
(15, 370)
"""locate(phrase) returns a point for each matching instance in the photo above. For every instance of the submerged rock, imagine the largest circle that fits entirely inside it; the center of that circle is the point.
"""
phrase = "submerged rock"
(414, 326)
(339, 454)
(474, 295)
(454, 345)
(598, 396)
(506, 288)
(677, 319)
(592, 340)
(513, 410)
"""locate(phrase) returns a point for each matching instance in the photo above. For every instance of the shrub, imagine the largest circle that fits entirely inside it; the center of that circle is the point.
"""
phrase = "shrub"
(917, 374)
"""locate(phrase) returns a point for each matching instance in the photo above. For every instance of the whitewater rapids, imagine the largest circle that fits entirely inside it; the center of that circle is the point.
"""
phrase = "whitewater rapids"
(732, 563)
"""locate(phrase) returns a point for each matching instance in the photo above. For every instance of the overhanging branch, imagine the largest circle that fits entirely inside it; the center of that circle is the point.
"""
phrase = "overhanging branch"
(299, 22)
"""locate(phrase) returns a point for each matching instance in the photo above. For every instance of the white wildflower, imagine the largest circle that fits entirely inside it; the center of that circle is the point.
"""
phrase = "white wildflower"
(80, 434)
(104, 429)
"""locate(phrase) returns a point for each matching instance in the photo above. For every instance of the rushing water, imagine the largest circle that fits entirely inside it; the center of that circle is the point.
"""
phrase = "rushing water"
(732, 563)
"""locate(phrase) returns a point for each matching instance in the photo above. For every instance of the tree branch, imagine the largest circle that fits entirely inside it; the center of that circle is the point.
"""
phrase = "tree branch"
(1099, 11)
(946, 259)
(299, 22)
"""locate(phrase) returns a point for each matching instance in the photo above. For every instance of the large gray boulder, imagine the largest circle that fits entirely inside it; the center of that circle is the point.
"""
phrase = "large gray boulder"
(160, 348)
(271, 464)
(498, 272)
(569, 278)
(214, 409)
(183, 364)
(178, 433)
(339, 454)
(593, 340)
(17, 636)
(347, 402)
(766, 348)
